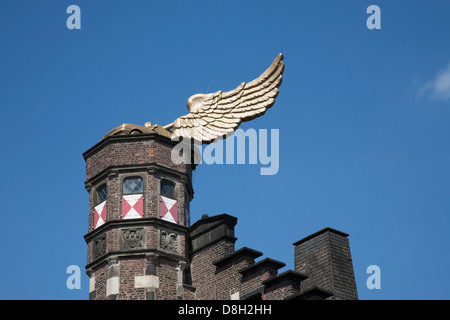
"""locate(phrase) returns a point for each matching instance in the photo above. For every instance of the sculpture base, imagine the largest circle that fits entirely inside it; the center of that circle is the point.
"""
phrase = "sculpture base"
(127, 128)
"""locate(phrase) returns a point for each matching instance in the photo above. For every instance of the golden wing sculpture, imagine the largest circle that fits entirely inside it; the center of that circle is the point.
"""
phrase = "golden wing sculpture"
(219, 114)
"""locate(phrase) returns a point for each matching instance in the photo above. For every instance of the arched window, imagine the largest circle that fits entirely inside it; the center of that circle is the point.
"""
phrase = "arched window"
(167, 189)
(132, 185)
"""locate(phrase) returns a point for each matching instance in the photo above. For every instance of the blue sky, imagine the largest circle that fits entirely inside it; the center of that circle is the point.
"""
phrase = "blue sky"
(363, 118)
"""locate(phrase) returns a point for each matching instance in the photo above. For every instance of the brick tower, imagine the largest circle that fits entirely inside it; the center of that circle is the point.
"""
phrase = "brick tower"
(140, 242)
(138, 218)
(141, 245)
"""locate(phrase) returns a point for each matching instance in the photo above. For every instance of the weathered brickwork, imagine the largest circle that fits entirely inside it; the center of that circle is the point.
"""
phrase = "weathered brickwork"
(285, 285)
(221, 272)
(147, 257)
(325, 257)
(203, 272)
(143, 257)
(129, 269)
(167, 273)
(131, 150)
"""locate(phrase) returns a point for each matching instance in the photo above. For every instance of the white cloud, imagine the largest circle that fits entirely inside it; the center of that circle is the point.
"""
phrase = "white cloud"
(439, 86)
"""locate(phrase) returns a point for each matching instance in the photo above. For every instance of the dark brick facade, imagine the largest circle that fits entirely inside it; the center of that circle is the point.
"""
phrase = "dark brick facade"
(325, 257)
(127, 259)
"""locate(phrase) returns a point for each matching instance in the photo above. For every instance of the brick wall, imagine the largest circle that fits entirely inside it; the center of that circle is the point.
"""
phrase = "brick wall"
(167, 273)
(325, 257)
(129, 269)
(116, 151)
(203, 272)
(128, 259)
(219, 272)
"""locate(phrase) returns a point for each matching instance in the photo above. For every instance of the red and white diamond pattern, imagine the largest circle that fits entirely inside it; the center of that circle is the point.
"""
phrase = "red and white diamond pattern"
(169, 210)
(132, 206)
(100, 214)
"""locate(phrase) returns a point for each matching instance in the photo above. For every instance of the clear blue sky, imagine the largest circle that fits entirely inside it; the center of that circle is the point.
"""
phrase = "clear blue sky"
(363, 117)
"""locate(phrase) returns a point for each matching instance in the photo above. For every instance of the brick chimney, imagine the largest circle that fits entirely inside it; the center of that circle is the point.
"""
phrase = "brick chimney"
(325, 257)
